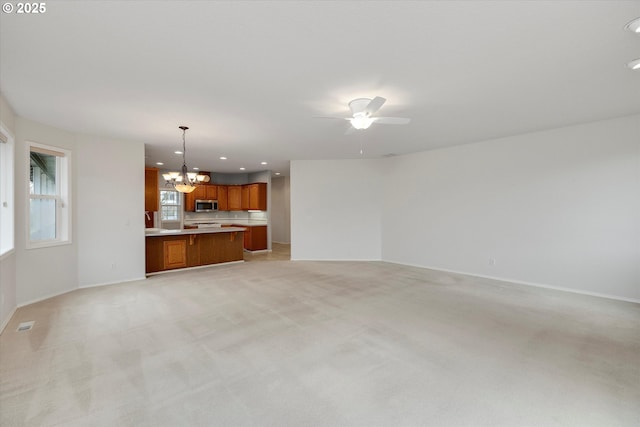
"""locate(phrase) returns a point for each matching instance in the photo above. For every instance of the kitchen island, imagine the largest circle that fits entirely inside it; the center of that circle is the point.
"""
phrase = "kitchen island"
(255, 234)
(175, 249)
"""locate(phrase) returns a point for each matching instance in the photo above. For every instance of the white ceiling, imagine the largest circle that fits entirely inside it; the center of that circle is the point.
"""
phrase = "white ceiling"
(249, 77)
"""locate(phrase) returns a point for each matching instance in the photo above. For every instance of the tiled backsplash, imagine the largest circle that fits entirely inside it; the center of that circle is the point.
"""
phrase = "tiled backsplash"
(225, 215)
(217, 215)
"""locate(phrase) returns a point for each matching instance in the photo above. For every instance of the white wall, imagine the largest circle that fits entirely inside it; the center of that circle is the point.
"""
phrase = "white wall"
(107, 181)
(8, 293)
(49, 271)
(110, 206)
(335, 209)
(281, 209)
(559, 208)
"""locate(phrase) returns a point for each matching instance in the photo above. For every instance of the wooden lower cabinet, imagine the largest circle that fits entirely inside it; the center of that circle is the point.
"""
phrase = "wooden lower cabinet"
(220, 247)
(191, 250)
(175, 254)
(255, 238)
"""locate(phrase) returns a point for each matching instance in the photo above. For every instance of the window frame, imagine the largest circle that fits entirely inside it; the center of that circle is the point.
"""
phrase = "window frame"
(62, 197)
(178, 205)
(7, 193)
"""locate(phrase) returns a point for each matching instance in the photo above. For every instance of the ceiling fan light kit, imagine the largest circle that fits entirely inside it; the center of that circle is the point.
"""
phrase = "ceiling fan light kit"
(361, 121)
(183, 181)
(362, 110)
(635, 64)
(634, 27)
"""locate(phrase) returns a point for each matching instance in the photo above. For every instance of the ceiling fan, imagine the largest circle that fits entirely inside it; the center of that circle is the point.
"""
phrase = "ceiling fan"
(362, 110)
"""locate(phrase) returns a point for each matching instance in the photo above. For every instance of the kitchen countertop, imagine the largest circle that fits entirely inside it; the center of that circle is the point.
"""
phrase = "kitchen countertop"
(165, 232)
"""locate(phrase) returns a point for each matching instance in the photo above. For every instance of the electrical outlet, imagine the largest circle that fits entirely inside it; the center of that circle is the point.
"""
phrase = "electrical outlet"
(113, 266)
(492, 261)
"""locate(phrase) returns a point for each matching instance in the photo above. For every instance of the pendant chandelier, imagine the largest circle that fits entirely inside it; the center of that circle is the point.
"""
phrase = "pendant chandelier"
(183, 181)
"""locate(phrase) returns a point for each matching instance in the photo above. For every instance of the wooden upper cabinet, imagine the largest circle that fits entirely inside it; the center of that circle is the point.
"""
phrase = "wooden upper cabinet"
(189, 202)
(199, 193)
(223, 204)
(151, 193)
(235, 197)
(258, 196)
(211, 192)
(230, 197)
(245, 197)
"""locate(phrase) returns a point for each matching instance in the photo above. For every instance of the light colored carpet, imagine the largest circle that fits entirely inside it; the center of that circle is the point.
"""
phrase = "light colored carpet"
(321, 344)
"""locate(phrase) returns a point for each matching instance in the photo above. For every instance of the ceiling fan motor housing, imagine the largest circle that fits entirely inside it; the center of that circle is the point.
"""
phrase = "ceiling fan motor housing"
(359, 105)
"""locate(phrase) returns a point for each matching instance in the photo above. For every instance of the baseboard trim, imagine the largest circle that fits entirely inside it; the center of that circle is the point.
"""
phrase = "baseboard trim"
(339, 259)
(75, 289)
(33, 301)
(281, 243)
(7, 320)
(96, 285)
(522, 282)
(177, 270)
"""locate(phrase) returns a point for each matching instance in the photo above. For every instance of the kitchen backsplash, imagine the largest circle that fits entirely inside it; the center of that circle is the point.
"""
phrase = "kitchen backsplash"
(225, 215)
(217, 215)
(258, 215)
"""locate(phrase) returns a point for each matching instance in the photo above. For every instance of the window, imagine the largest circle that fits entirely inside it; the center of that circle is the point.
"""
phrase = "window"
(6, 192)
(49, 196)
(169, 205)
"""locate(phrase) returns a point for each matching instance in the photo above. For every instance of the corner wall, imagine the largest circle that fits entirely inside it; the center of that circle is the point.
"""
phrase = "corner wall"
(281, 209)
(335, 209)
(107, 182)
(43, 272)
(558, 208)
(8, 290)
(110, 200)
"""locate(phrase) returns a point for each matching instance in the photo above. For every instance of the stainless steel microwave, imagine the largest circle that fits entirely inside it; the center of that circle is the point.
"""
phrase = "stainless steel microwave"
(206, 205)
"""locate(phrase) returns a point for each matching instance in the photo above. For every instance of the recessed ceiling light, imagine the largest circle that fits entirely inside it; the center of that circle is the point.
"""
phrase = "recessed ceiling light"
(633, 26)
(263, 163)
(635, 64)
(178, 152)
(159, 163)
(223, 158)
(242, 169)
(196, 169)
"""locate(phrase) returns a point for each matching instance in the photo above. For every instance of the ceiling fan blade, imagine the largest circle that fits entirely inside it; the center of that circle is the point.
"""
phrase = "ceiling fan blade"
(374, 105)
(329, 117)
(391, 120)
(350, 130)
